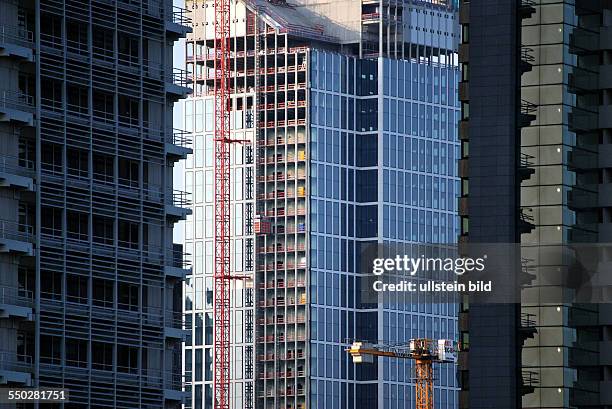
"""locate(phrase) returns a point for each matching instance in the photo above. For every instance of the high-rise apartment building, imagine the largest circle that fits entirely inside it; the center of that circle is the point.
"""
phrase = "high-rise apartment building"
(349, 109)
(91, 282)
(535, 170)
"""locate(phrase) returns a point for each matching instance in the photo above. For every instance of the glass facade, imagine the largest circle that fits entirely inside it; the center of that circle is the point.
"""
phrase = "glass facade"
(383, 153)
(199, 241)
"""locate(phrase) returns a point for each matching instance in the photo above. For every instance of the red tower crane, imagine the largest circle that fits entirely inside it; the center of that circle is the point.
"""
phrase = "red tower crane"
(221, 304)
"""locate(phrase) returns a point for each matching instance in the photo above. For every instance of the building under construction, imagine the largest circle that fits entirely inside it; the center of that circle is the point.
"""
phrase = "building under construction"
(347, 114)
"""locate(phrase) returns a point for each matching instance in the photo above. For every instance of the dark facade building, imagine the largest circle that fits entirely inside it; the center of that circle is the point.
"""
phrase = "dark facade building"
(536, 140)
(90, 280)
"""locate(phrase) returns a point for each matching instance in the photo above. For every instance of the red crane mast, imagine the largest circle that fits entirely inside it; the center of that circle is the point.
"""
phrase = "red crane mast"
(221, 305)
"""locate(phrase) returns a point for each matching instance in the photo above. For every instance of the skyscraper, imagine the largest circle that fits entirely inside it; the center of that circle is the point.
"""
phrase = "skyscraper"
(535, 136)
(349, 112)
(91, 282)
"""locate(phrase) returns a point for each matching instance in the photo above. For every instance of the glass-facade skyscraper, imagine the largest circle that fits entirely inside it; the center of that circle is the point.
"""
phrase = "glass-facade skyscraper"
(351, 142)
(388, 177)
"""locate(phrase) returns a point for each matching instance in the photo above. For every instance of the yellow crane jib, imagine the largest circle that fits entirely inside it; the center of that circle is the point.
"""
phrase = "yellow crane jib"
(422, 350)
(441, 350)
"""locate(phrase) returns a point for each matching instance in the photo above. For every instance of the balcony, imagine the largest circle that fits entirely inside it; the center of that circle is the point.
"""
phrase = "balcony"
(15, 173)
(177, 84)
(177, 206)
(528, 326)
(528, 111)
(177, 263)
(527, 274)
(526, 166)
(179, 25)
(529, 381)
(369, 18)
(291, 319)
(526, 220)
(526, 8)
(280, 248)
(16, 303)
(181, 145)
(174, 326)
(16, 42)
(174, 384)
(16, 107)
(15, 368)
(170, 382)
(281, 302)
(282, 338)
(291, 391)
(527, 59)
(16, 238)
(280, 265)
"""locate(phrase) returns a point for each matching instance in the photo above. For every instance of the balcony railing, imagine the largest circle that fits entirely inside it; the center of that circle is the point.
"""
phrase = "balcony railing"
(181, 198)
(12, 361)
(182, 138)
(16, 296)
(171, 379)
(175, 380)
(16, 166)
(526, 215)
(530, 378)
(180, 16)
(376, 16)
(180, 77)
(528, 320)
(174, 257)
(16, 231)
(527, 54)
(16, 100)
(178, 258)
(175, 319)
(17, 36)
(527, 107)
(526, 160)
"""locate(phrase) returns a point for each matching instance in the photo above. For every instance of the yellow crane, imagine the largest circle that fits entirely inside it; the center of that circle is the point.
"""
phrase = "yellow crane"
(423, 351)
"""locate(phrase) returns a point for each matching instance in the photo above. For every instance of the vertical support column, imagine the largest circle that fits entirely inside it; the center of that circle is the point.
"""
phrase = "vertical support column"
(424, 384)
